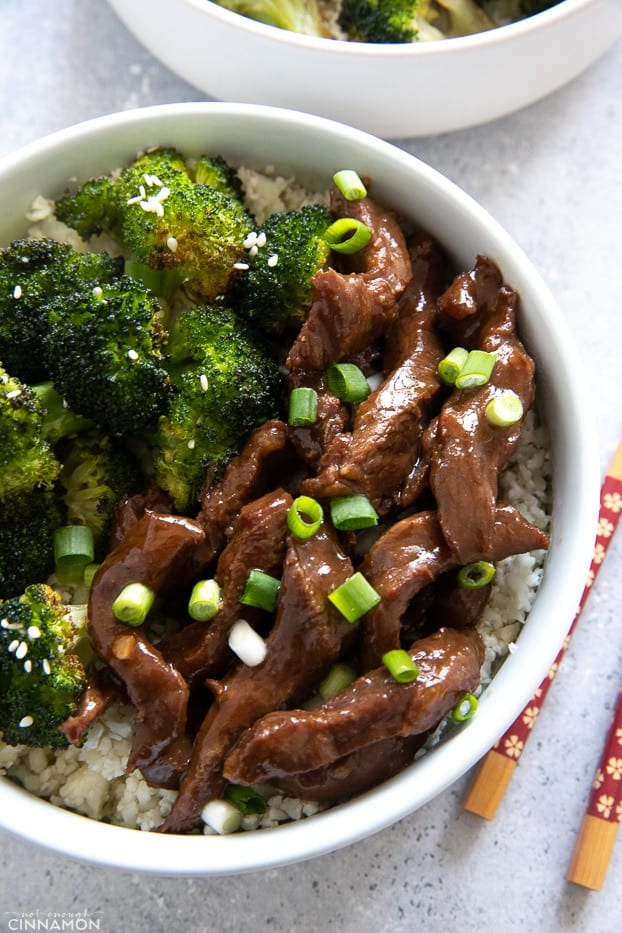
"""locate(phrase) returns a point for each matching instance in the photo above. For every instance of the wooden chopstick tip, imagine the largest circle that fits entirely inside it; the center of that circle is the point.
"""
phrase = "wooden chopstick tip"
(592, 852)
(489, 785)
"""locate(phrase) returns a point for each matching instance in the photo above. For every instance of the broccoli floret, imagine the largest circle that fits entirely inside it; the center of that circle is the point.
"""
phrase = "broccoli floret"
(294, 15)
(407, 20)
(97, 472)
(217, 173)
(27, 525)
(31, 273)
(276, 293)
(58, 419)
(225, 384)
(42, 677)
(104, 352)
(379, 20)
(26, 458)
(166, 220)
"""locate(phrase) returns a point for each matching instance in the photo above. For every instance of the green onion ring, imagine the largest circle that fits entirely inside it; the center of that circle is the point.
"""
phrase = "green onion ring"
(400, 666)
(133, 603)
(476, 575)
(261, 590)
(349, 513)
(451, 365)
(504, 410)
(354, 598)
(347, 235)
(204, 600)
(350, 184)
(338, 678)
(347, 381)
(302, 407)
(304, 517)
(477, 369)
(465, 708)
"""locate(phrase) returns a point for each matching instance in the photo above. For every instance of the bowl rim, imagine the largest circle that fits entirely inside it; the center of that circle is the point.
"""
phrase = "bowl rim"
(544, 20)
(129, 849)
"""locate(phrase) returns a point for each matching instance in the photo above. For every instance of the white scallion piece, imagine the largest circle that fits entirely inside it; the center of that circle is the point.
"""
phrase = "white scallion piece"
(221, 816)
(246, 643)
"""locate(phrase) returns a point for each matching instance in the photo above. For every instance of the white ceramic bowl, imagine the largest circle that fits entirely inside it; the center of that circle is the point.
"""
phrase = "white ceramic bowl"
(394, 91)
(314, 148)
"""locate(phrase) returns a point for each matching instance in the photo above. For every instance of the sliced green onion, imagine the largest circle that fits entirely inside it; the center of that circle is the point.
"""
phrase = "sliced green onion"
(450, 366)
(338, 678)
(504, 410)
(355, 597)
(89, 572)
(302, 407)
(477, 369)
(133, 603)
(261, 590)
(350, 184)
(465, 708)
(347, 381)
(221, 816)
(400, 666)
(245, 799)
(304, 516)
(476, 575)
(204, 600)
(348, 513)
(73, 550)
(347, 235)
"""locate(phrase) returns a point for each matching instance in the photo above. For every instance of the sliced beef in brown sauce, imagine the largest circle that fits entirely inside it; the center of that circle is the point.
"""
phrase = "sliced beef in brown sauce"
(411, 554)
(465, 451)
(258, 542)
(374, 707)
(350, 310)
(307, 637)
(153, 552)
(379, 457)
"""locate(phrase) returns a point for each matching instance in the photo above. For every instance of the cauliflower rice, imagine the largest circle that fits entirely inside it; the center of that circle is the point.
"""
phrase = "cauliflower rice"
(91, 779)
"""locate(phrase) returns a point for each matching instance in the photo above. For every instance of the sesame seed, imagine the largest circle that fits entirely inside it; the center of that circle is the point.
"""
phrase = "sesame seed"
(156, 181)
(153, 206)
(272, 260)
(28, 666)
(14, 393)
(22, 650)
(17, 291)
(143, 193)
(192, 444)
(45, 664)
(261, 239)
(135, 199)
(97, 292)
(33, 632)
(163, 194)
(241, 265)
(132, 354)
(204, 382)
(172, 244)
(25, 722)
(148, 180)
(13, 646)
(253, 251)
(250, 240)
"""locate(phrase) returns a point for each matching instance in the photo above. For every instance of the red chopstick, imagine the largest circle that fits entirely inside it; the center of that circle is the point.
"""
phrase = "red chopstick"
(496, 769)
(599, 827)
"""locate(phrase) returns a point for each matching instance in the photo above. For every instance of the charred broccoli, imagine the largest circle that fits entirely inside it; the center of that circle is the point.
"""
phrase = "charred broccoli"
(104, 352)
(31, 273)
(165, 219)
(294, 15)
(27, 526)
(26, 459)
(275, 291)
(224, 385)
(97, 472)
(42, 677)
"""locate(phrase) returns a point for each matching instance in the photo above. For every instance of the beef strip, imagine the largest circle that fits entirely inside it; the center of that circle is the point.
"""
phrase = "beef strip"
(309, 634)
(101, 692)
(153, 552)
(411, 554)
(354, 773)
(266, 456)
(201, 649)
(464, 450)
(372, 708)
(378, 459)
(131, 508)
(312, 442)
(349, 311)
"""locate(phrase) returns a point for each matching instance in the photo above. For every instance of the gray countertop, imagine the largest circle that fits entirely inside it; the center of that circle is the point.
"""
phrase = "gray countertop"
(551, 175)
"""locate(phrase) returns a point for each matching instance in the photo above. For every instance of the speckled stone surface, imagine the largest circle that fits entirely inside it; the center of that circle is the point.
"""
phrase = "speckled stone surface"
(551, 175)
